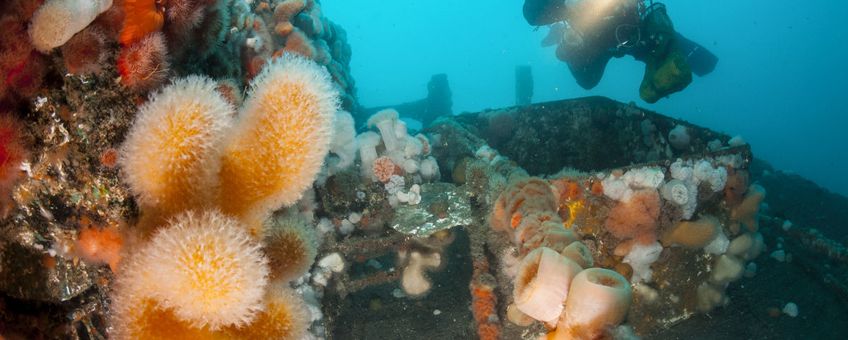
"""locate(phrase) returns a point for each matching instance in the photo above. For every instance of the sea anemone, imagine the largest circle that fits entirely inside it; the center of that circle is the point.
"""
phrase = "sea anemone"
(287, 9)
(291, 246)
(414, 281)
(429, 169)
(746, 213)
(184, 15)
(728, 268)
(635, 218)
(55, 22)
(171, 153)
(196, 27)
(598, 299)
(22, 69)
(519, 199)
(541, 285)
(385, 121)
(579, 253)
(141, 17)
(542, 229)
(100, 245)
(344, 144)
(384, 168)
(279, 143)
(144, 65)
(12, 152)
(209, 270)
(86, 52)
(298, 43)
(368, 142)
(693, 234)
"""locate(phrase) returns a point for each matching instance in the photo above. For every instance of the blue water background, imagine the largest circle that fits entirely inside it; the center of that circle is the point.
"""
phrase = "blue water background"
(780, 83)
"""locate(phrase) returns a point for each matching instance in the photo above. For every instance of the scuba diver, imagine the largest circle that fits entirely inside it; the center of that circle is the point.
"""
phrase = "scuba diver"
(588, 33)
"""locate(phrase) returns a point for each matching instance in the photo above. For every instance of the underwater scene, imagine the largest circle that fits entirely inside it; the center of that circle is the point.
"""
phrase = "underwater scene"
(372, 169)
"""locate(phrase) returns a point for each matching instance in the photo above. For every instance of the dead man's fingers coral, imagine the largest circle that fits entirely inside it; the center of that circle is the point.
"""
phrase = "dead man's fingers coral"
(171, 155)
(208, 270)
(281, 138)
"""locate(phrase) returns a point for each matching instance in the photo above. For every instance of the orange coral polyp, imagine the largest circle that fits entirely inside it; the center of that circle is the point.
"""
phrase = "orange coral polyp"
(142, 17)
(100, 246)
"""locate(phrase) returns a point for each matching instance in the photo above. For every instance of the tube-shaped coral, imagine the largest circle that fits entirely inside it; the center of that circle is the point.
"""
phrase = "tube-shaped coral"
(208, 270)
(172, 150)
(279, 143)
(598, 298)
(541, 285)
(55, 22)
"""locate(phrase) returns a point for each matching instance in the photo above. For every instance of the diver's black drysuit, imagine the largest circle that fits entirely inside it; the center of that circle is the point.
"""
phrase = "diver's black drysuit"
(594, 31)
